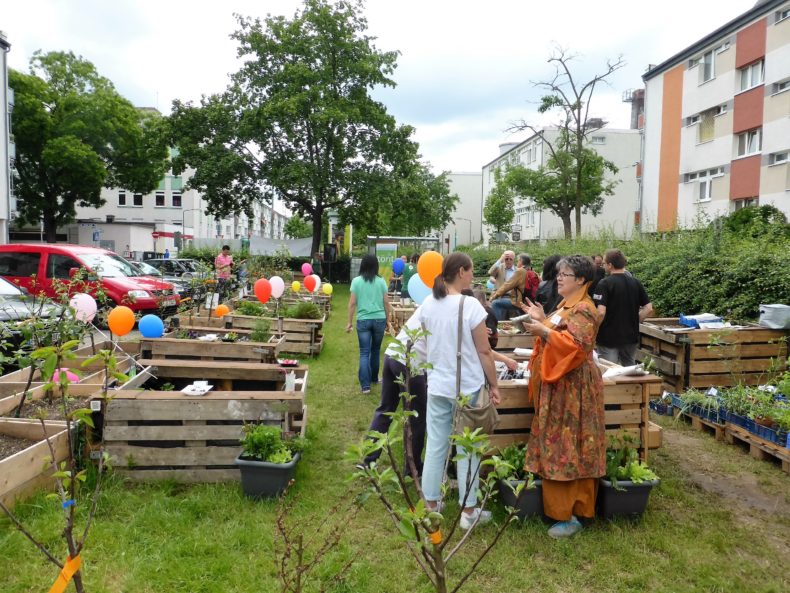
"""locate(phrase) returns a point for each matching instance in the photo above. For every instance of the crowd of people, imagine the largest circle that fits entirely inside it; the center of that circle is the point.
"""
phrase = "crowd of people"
(579, 305)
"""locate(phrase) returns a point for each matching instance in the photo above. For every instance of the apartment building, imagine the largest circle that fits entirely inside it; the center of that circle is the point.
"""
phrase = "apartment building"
(622, 147)
(7, 149)
(466, 227)
(717, 122)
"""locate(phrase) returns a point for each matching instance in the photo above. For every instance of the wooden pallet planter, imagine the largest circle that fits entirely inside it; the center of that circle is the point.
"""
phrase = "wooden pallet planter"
(701, 424)
(626, 410)
(152, 435)
(25, 472)
(759, 448)
(400, 315)
(322, 301)
(718, 357)
(187, 349)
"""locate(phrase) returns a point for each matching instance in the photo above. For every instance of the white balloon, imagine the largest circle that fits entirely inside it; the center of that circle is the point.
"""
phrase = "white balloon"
(278, 286)
(317, 282)
(84, 306)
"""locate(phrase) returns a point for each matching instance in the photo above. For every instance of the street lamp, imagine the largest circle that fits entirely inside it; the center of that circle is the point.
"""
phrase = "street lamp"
(469, 220)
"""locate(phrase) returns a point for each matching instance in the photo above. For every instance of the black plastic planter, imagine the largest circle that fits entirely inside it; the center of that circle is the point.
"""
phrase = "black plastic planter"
(530, 502)
(260, 479)
(630, 501)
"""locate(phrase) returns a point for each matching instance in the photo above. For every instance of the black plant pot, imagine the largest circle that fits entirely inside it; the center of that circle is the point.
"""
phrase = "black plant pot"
(630, 501)
(260, 479)
(529, 503)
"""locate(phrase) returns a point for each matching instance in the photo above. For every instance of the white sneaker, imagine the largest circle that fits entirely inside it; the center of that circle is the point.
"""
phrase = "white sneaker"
(439, 508)
(478, 514)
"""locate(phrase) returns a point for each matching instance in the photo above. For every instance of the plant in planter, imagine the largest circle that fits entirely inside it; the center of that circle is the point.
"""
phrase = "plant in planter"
(250, 308)
(626, 488)
(267, 461)
(303, 311)
(230, 337)
(519, 489)
(701, 404)
(261, 331)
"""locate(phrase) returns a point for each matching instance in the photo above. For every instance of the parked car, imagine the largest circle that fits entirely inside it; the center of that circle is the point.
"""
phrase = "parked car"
(178, 267)
(182, 287)
(16, 307)
(39, 267)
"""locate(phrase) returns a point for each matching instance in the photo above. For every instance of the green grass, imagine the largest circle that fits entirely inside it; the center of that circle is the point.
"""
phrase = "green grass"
(173, 538)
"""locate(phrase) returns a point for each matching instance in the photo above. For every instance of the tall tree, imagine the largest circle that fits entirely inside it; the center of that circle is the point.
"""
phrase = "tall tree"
(571, 99)
(297, 121)
(297, 228)
(74, 135)
(499, 209)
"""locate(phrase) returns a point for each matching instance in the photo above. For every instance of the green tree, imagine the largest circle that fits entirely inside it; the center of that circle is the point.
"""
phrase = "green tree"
(297, 228)
(560, 188)
(500, 205)
(297, 121)
(571, 99)
(74, 135)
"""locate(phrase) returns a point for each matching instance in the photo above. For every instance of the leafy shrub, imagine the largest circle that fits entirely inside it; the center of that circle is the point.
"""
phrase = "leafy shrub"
(261, 331)
(622, 463)
(265, 443)
(250, 308)
(303, 311)
(514, 457)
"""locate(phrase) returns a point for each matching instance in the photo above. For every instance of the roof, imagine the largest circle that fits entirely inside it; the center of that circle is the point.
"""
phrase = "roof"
(760, 9)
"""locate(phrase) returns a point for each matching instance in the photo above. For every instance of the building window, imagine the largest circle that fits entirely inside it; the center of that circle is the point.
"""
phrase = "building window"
(750, 142)
(176, 200)
(598, 140)
(704, 190)
(160, 198)
(691, 120)
(137, 199)
(780, 86)
(121, 198)
(707, 125)
(752, 75)
(779, 158)
(707, 66)
(782, 15)
(746, 203)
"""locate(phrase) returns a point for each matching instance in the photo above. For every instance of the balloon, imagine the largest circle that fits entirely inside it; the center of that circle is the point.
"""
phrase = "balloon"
(263, 290)
(417, 289)
(429, 266)
(278, 286)
(317, 282)
(307, 269)
(295, 286)
(221, 310)
(121, 320)
(151, 326)
(397, 266)
(72, 377)
(84, 306)
(309, 283)
(327, 288)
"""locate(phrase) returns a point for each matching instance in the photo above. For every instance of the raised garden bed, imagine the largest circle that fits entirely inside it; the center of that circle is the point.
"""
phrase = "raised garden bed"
(156, 434)
(27, 470)
(700, 358)
(194, 349)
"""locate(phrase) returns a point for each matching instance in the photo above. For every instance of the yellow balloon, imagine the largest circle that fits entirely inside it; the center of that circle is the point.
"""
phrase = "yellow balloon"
(295, 286)
(327, 288)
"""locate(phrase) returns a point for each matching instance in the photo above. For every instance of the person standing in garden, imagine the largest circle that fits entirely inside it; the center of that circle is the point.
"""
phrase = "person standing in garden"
(222, 265)
(439, 314)
(370, 301)
(567, 445)
(409, 270)
(623, 303)
(317, 264)
(547, 294)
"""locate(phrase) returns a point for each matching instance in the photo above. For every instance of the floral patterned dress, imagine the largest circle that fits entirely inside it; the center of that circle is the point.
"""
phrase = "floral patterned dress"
(568, 438)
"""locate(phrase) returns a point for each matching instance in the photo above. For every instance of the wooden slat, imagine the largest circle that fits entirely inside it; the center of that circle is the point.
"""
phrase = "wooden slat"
(704, 352)
(726, 379)
(736, 336)
(203, 432)
(189, 476)
(669, 367)
(513, 421)
(29, 463)
(198, 409)
(130, 456)
(622, 394)
(622, 416)
(735, 365)
(655, 436)
(28, 428)
(198, 369)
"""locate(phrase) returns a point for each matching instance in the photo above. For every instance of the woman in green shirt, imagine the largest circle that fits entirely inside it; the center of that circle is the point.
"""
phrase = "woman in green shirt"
(369, 299)
(408, 271)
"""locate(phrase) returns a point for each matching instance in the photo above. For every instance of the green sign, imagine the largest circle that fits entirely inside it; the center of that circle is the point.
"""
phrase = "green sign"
(386, 253)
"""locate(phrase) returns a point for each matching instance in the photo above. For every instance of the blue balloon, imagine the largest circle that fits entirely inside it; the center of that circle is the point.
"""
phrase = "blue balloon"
(397, 266)
(417, 289)
(151, 326)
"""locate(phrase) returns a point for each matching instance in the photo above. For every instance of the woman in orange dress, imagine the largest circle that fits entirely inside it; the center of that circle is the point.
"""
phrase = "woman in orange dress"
(567, 445)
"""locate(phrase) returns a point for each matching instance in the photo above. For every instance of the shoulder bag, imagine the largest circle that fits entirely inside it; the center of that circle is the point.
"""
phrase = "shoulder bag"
(484, 414)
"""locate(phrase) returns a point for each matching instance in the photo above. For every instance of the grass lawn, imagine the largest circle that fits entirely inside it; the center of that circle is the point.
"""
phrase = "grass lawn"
(720, 521)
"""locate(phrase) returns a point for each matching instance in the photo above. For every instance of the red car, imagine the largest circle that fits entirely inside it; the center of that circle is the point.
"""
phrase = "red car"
(37, 266)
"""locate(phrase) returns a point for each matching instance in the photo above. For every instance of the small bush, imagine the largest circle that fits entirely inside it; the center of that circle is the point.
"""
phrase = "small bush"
(303, 311)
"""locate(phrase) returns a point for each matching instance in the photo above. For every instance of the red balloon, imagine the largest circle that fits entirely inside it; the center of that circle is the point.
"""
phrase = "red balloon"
(309, 283)
(263, 290)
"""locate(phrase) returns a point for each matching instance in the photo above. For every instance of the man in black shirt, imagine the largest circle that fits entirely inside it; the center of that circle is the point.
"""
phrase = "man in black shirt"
(623, 303)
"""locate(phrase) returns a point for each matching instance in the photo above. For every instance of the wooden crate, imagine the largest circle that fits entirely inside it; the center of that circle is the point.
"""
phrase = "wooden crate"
(626, 410)
(400, 315)
(25, 472)
(322, 301)
(718, 357)
(187, 349)
(153, 435)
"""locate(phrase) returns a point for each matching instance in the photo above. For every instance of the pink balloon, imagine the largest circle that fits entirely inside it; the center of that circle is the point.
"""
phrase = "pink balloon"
(72, 377)
(84, 306)
(278, 286)
(307, 269)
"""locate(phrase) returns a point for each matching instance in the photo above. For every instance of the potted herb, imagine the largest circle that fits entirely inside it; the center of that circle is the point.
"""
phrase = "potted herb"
(267, 461)
(519, 489)
(230, 337)
(626, 488)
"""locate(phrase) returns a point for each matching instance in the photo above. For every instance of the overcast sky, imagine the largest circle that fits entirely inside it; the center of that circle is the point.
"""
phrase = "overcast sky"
(463, 76)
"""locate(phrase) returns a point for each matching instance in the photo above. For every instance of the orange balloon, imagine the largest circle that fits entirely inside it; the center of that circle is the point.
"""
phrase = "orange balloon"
(121, 320)
(429, 266)
(221, 310)
(309, 283)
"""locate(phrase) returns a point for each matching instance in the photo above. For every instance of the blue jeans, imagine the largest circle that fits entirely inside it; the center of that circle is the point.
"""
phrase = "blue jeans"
(440, 424)
(501, 307)
(370, 333)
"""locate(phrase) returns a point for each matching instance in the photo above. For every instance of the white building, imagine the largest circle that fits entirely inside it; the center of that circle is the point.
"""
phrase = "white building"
(717, 122)
(7, 151)
(622, 147)
(467, 225)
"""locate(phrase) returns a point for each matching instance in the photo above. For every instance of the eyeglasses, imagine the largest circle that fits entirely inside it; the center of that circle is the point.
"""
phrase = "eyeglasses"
(566, 275)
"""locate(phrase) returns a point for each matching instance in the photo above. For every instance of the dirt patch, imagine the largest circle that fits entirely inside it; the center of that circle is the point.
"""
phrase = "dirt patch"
(704, 469)
(52, 409)
(10, 445)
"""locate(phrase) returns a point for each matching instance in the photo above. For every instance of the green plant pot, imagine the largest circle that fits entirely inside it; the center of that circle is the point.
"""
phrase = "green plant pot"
(260, 479)
(630, 501)
(529, 503)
